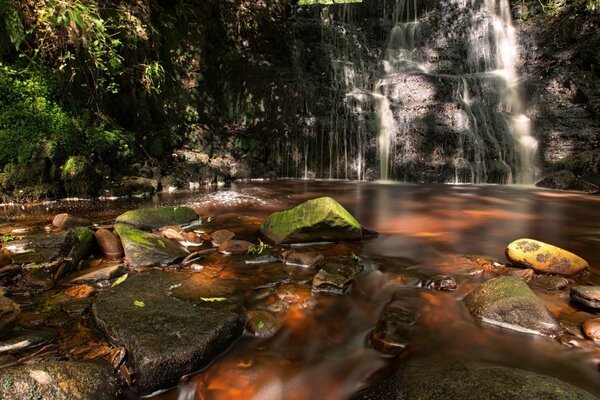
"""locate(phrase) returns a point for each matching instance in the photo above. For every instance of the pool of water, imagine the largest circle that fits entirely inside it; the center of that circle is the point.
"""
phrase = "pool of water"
(321, 350)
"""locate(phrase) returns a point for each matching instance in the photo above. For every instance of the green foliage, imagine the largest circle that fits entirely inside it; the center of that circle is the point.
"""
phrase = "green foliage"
(593, 5)
(257, 249)
(12, 32)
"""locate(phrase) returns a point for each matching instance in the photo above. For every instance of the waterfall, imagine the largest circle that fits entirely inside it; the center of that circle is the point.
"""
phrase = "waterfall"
(419, 90)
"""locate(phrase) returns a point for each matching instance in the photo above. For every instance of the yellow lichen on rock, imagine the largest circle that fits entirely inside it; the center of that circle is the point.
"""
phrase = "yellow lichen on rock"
(544, 258)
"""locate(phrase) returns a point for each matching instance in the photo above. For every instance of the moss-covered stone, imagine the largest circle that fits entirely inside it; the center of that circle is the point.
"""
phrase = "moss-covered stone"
(59, 380)
(77, 245)
(321, 219)
(544, 258)
(154, 218)
(508, 302)
(144, 249)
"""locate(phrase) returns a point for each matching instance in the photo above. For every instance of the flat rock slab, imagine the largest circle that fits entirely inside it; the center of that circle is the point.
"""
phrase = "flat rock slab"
(438, 379)
(587, 295)
(335, 277)
(59, 380)
(155, 218)
(148, 249)
(321, 219)
(166, 337)
(508, 302)
(98, 274)
(544, 258)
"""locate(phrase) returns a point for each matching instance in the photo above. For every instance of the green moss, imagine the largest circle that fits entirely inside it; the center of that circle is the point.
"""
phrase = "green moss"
(318, 219)
(133, 234)
(75, 167)
(154, 218)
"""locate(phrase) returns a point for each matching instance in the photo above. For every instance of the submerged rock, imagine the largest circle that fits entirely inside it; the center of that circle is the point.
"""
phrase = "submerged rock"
(436, 378)
(109, 243)
(221, 236)
(544, 258)
(166, 338)
(306, 258)
(550, 283)
(591, 328)
(440, 282)
(59, 380)
(154, 218)
(234, 247)
(587, 295)
(321, 219)
(508, 302)
(394, 328)
(98, 274)
(335, 277)
(264, 259)
(145, 249)
(9, 311)
(65, 221)
(262, 324)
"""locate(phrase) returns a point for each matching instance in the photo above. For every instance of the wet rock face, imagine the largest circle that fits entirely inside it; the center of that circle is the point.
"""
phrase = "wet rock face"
(433, 379)
(587, 295)
(165, 337)
(77, 245)
(544, 258)
(394, 329)
(221, 236)
(305, 258)
(440, 282)
(145, 249)
(109, 244)
(262, 324)
(509, 303)
(335, 277)
(591, 328)
(154, 218)
(322, 219)
(59, 380)
(234, 247)
(65, 221)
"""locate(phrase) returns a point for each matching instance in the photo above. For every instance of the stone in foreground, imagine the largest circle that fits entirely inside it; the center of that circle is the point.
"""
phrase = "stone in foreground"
(587, 295)
(395, 327)
(109, 243)
(436, 378)
(145, 249)
(59, 380)
(155, 218)
(166, 337)
(509, 303)
(544, 258)
(322, 219)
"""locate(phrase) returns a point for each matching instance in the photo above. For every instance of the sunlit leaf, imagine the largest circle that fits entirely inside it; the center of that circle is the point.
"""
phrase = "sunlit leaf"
(119, 280)
(139, 303)
(213, 299)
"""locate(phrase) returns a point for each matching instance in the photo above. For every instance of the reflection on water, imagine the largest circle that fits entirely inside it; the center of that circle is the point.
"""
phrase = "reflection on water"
(321, 351)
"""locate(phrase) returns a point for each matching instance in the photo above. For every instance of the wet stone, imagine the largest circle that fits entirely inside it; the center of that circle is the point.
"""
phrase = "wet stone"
(173, 234)
(5, 258)
(591, 328)
(440, 282)
(147, 249)
(509, 303)
(98, 274)
(77, 245)
(264, 259)
(21, 339)
(544, 258)
(234, 247)
(65, 221)
(80, 291)
(550, 283)
(59, 380)
(302, 258)
(293, 293)
(262, 324)
(589, 296)
(221, 236)
(109, 243)
(335, 277)
(165, 337)
(394, 328)
(437, 378)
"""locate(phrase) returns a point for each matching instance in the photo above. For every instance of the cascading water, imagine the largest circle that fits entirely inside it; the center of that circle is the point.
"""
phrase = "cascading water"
(429, 92)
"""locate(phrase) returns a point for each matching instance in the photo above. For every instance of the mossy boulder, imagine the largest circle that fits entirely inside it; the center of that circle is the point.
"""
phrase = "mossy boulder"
(321, 219)
(59, 380)
(145, 249)
(508, 302)
(77, 245)
(544, 258)
(154, 218)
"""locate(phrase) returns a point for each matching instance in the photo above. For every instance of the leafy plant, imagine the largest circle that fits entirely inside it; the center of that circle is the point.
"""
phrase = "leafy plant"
(257, 249)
